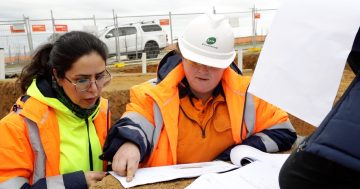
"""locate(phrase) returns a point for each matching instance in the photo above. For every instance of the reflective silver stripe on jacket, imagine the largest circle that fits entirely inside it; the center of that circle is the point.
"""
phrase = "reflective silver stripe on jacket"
(140, 131)
(158, 119)
(285, 125)
(249, 114)
(14, 183)
(269, 143)
(152, 132)
(146, 126)
(36, 145)
(55, 182)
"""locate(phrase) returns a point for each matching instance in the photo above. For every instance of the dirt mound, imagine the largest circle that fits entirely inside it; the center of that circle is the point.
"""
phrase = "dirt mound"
(8, 95)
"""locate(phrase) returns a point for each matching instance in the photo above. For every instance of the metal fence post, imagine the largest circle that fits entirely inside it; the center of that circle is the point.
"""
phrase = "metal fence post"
(53, 22)
(28, 33)
(253, 26)
(94, 19)
(136, 45)
(117, 45)
(9, 48)
(240, 59)
(143, 63)
(171, 31)
(25, 51)
(2, 63)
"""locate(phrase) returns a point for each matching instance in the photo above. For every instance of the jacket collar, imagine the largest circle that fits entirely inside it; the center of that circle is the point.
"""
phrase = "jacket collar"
(167, 64)
(41, 90)
(184, 90)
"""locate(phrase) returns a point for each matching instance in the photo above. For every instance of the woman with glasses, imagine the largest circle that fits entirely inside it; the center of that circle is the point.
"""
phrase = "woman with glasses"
(54, 134)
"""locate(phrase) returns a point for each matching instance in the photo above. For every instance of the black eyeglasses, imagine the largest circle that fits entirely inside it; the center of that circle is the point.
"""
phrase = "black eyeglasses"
(101, 81)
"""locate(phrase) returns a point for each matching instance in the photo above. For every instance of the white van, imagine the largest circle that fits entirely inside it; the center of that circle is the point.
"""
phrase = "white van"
(149, 37)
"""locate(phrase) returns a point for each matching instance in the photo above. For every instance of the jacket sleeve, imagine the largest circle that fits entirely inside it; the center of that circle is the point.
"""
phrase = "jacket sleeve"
(75, 180)
(125, 130)
(273, 129)
(17, 160)
(135, 126)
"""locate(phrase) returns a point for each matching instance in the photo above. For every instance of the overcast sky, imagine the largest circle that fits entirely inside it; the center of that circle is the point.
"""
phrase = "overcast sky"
(37, 9)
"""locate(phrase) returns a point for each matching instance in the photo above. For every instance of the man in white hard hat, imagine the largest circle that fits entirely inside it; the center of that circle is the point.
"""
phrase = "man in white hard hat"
(196, 109)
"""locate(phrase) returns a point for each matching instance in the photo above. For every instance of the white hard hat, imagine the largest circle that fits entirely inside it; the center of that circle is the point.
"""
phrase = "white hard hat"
(208, 40)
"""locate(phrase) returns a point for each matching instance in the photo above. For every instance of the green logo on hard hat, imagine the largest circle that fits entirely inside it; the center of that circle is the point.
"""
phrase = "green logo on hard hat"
(211, 40)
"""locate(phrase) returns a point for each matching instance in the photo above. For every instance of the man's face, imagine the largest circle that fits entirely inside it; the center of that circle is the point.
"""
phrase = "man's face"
(202, 79)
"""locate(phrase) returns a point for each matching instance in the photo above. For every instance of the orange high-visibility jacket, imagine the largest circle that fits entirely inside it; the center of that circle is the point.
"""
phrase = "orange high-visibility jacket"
(19, 161)
(154, 107)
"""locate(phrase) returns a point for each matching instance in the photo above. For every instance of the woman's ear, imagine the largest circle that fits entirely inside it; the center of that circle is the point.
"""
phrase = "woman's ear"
(54, 73)
(56, 78)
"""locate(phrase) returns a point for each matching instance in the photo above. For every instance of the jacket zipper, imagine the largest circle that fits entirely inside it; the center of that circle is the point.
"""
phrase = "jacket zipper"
(203, 129)
(90, 150)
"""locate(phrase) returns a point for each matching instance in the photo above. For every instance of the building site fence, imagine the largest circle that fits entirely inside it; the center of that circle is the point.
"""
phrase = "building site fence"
(21, 37)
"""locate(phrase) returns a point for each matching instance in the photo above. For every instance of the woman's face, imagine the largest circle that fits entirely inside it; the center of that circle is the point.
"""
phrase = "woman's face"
(79, 82)
(202, 79)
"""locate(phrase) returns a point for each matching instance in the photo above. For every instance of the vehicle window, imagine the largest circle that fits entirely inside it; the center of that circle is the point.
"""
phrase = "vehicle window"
(121, 31)
(112, 32)
(150, 28)
(128, 30)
